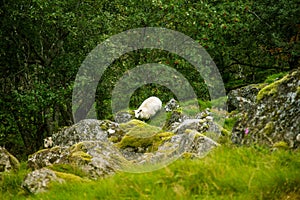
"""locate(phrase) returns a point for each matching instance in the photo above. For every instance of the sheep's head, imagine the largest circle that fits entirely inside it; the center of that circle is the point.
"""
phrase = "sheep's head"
(137, 113)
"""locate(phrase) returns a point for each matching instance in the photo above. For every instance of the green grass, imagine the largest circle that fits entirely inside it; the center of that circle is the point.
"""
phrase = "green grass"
(272, 78)
(226, 173)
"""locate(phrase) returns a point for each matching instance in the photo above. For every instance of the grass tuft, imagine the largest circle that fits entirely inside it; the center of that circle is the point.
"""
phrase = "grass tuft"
(225, 173)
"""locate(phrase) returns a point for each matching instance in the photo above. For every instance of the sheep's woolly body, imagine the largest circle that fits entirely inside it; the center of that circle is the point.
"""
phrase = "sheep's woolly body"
(148, 108)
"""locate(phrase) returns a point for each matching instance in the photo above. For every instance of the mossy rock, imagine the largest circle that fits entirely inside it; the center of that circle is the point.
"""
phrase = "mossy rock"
(78, 153)
(132, 123)
(271, 89)
(68, 168)
(298, 92)
(8, 161)
(280, 145)
(70, 177)
(269, 128)
(139, 138)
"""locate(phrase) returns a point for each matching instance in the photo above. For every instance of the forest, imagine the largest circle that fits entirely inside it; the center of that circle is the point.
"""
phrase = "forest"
(43, 44)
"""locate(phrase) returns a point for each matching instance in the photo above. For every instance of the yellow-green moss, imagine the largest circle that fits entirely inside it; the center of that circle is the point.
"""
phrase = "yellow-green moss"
(132, 123)
(188, 131)
(113, 139)
(187, 155)
(150, 141)
(70, 177)
(281, 145)
(269, 128)
(271, 89)
(225, 132)
(78, 151)
(68, 168)
(82, 155)
(298, 92)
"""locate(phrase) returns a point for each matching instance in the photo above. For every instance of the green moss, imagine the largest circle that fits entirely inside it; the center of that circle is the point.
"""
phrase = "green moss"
(14, 162)
(298, 92)
(281, 145)
(225, 132)
(187, 155)
(230, 122)
(269, 128)
(132, 123)
(273, 77)
(78, 152)
(113, 139)
(68, 168)
(70, 177)
(150, 140)
(82, 155)
(271, 89)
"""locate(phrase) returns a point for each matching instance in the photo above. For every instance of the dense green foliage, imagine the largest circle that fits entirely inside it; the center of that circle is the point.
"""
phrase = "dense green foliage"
(43, 43)
(226, 173)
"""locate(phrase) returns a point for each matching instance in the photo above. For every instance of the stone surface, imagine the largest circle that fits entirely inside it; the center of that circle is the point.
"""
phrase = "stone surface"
(101, 147)
(244, 98)
(123, 117)
(7, 161)
(39, 180)
(171, 105)
(275, 116)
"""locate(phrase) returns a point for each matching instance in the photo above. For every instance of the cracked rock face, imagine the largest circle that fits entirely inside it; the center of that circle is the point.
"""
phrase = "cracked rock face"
(275, 117)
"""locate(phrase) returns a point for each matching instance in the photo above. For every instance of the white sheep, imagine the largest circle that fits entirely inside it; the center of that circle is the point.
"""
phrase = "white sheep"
(148, 108)
(48, 142)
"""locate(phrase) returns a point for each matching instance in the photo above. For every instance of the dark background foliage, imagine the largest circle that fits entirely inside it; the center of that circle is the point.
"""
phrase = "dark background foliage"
(43, 44)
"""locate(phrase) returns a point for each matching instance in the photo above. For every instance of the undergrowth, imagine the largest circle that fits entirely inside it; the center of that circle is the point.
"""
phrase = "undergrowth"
(225, 173)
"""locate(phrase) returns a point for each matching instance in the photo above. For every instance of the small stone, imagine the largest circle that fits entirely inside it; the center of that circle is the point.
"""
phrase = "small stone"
(298, 138)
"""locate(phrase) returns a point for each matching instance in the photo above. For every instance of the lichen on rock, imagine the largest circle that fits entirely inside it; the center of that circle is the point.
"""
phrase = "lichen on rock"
(275, 117)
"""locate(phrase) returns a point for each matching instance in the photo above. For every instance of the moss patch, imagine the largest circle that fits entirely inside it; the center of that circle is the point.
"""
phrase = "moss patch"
(68, 169)
(269, 128)
(132, 123)
(78, 153)
(70, 177)
(281, 145)
(139, 139)
(271, 89)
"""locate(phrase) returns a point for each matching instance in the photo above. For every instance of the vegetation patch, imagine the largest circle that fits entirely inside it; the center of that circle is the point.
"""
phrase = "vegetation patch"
(225, 173)
(271, 89)
(70, 177)
(274, 77)
(68, 169)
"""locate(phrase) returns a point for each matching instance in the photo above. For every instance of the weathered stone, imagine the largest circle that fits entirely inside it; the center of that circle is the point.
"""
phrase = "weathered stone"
(275, 117)
(85, 130)
(101, 147)
(7, 161)
(171, 105)
(39, 180)
(244, 98)
(46, 157)
(123, 117)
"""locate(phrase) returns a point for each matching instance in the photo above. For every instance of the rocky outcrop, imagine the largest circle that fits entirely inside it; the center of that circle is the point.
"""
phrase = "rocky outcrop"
(274, 118)
(99, 148)
(7, 161)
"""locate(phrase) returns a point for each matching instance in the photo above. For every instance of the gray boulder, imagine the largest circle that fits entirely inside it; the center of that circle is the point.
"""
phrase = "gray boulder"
(242, 99)
(7, 161)
(39, 180)
(274, 120)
